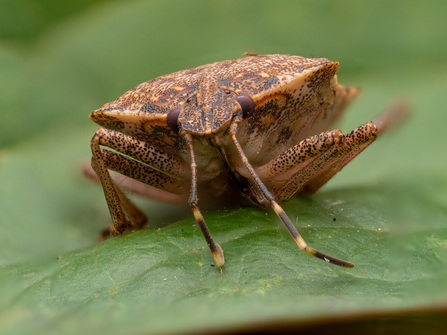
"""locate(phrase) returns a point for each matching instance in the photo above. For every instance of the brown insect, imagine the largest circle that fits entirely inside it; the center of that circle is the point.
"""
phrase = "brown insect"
(255, 126)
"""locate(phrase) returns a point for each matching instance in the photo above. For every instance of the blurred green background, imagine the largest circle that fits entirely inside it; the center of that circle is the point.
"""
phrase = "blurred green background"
(59, 61)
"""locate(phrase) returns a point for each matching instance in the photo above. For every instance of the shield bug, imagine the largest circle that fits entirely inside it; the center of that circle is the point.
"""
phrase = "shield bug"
(255, 126)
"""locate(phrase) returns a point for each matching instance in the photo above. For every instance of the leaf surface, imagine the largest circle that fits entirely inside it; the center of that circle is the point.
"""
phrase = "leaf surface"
(389, 205)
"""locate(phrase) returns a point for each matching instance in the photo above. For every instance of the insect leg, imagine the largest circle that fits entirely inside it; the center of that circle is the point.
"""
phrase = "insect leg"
(318, 173)
(300, 153)
(215, 248)
(134, 186)
(355, 142)
(392, 116)
(143, 152)
(308, 165)
(141, 172)
(278, 210)
(311, 177)
(131, 168)
(117, 202)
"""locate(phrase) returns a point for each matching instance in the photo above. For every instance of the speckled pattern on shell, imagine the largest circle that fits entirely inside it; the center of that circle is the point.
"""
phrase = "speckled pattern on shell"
(253, 75)
(281, 86)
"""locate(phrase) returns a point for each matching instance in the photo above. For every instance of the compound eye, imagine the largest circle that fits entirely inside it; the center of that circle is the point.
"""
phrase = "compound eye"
(247, 104)
(172, 119)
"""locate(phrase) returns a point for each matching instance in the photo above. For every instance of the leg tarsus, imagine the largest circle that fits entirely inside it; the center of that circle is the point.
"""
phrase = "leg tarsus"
(215, 248)
(327, 258)
(137, 218)
(104, 234)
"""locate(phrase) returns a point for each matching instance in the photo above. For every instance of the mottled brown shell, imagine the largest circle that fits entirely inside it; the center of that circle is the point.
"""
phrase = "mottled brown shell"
(279, 85)
(253, 75)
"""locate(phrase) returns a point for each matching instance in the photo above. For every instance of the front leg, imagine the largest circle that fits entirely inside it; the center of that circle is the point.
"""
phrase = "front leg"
(117, 202)
(278, 210)
(215, 248)
(125, 215)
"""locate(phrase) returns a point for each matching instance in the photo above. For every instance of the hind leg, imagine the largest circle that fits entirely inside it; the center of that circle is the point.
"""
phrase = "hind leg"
(308, 165)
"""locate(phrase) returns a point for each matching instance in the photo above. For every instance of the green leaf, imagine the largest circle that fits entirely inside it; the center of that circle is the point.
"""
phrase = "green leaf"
(140, 280)
(389, 204)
